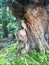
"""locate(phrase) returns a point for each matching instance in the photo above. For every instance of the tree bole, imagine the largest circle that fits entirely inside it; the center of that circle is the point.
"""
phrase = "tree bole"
(35, 23)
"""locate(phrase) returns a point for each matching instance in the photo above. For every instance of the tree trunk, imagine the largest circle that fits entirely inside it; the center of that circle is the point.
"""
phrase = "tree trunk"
(37, 21)
(35, 25)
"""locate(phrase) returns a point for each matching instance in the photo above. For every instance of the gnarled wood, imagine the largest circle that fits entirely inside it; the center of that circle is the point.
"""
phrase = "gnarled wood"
(35, 23)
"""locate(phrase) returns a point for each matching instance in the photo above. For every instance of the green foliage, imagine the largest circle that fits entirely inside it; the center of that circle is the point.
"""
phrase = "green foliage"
(12, 26)
(7, 21)
(7, 53)
(0, 25)
(1, 35)
(34, 58)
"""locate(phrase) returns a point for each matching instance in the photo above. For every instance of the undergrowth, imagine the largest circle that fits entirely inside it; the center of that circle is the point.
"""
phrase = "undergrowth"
(7, 57)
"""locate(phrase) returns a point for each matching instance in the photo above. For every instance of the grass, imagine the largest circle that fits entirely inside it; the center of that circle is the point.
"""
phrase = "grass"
(7, 53)
(7, 57)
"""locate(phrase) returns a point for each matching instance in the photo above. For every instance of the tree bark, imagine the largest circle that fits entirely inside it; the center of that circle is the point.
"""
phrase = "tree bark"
(35, 25)
(37, 21)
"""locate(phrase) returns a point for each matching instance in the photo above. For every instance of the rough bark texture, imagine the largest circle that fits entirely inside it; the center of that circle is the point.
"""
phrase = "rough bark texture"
(35, 25)
(37, 21)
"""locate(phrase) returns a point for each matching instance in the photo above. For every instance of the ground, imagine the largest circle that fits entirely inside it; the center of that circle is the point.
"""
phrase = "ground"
(8, 57)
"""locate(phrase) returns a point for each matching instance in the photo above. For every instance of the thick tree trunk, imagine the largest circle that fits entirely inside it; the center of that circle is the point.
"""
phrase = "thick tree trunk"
(35, 25)
(37, 21)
